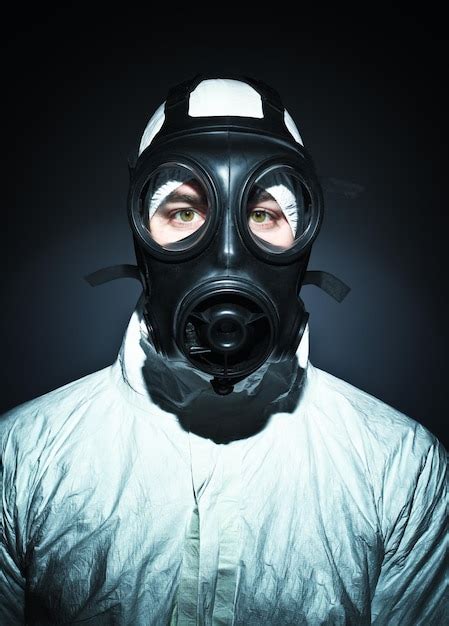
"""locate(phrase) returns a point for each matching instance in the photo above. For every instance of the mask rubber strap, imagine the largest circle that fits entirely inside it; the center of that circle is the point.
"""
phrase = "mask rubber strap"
(114, 272)
(329, 283)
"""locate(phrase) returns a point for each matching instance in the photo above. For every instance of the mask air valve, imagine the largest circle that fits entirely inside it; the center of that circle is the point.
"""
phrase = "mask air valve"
(226, 330)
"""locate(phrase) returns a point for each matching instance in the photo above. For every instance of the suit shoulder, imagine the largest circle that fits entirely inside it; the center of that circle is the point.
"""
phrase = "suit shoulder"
(381, 427)
(52, 410)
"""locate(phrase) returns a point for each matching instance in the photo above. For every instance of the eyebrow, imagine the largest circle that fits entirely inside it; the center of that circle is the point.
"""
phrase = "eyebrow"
(259, 195)
(175, 196)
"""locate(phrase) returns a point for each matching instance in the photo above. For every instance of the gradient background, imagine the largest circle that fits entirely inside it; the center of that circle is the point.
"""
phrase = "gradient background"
(370, 101)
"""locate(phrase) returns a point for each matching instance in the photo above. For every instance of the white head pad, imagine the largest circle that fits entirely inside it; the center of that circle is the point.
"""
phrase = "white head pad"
(215, 97)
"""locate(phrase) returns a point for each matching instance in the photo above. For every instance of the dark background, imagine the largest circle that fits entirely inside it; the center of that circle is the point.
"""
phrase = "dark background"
(369, 98)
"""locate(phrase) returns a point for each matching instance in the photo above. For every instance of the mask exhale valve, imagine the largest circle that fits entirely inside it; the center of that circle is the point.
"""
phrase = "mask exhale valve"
(226, 331)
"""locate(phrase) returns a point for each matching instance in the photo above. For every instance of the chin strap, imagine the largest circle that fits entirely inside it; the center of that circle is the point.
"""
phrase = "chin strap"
(329, 283)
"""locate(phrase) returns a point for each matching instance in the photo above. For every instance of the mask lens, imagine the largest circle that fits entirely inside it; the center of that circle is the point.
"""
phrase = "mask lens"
(278, 210)
(175, 207)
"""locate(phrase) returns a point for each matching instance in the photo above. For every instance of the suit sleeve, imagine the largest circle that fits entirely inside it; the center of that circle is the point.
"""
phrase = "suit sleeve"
(12, 581)
(412, 588)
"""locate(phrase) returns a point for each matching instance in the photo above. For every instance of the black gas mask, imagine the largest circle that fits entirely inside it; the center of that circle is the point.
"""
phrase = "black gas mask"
(224, 212)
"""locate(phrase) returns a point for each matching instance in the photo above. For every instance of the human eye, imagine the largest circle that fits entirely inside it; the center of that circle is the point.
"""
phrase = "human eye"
(260, 217)
(185, 216)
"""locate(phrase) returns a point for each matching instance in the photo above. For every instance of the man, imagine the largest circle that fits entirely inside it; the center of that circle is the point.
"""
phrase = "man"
(212, 475)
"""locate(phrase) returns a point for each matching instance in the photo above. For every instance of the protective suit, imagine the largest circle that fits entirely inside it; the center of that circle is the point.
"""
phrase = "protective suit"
(142, 494)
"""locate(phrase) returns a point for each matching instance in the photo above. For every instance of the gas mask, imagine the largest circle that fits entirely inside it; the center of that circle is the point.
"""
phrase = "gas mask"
(224, 211)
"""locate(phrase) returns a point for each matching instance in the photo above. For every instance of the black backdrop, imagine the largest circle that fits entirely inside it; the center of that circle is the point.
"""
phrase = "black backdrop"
(370, 102)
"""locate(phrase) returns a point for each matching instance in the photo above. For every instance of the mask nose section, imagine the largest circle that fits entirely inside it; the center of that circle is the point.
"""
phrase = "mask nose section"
(229, 256)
